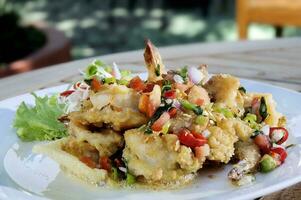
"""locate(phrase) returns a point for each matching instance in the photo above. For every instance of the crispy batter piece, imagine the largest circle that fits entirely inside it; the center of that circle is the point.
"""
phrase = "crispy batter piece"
(159, 158)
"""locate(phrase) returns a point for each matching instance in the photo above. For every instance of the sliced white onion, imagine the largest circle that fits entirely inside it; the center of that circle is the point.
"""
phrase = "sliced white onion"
(266, 130)
(102, 73)
(178, 79)
(116, 71)
(123, 169)
(277, 135)
(195, 75)
(274, 145)
(176, 104)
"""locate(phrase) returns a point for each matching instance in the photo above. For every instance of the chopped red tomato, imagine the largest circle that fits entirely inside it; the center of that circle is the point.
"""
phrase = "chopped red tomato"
(95, 85)
(278, 134)
(263, 142)
(278, 153)
(170, 94)
(66, 93)
(137, 84)
(148, 88)
(88, 161)
(199, 102)
(172, 112)
(105, 163)
(159, 123)
(188, 139)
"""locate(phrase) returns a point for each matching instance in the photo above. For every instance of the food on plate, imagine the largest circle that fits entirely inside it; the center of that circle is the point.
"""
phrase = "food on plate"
(121, 129)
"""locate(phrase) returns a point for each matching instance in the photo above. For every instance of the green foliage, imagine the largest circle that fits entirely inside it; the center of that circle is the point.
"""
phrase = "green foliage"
(17, 41)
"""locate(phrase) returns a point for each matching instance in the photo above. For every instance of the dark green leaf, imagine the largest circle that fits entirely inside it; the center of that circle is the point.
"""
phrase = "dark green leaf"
(157, 70)
(263, 109)
(255, 133)
(242, 89)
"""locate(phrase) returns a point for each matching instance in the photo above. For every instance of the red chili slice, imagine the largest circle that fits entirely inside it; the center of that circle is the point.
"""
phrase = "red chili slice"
(282, 154)
(170, 94)
(274, 130)
(198, 136)
(188, 139)
(66, 93)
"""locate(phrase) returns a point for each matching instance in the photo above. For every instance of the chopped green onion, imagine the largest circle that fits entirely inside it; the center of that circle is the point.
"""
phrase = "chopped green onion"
(198, 110)
(166, 88)
(165, 128)
(125, 74)
(251, 119)
(255, 133)
(226, 112)
(110, 80)
(189, 106)
(242, 89)
(263, 109)
(130, 179)
(184, 73)
(201, 120)
(88, 81)
(267, 163)
(157, 70)
(123, 82)
(115, 174)
(148, 130)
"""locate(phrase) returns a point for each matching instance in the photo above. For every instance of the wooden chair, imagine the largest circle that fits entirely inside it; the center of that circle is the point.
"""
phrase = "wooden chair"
(278, 13)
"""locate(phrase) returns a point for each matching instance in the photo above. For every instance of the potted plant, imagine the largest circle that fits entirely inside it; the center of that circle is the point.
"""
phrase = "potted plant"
(24, 48)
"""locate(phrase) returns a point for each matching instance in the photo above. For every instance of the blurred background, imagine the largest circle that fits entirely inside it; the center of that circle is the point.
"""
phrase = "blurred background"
(37, 33)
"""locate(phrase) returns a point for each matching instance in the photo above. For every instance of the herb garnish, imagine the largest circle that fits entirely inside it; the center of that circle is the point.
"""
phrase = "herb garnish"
(263, 109)
(242, 89)
(157, 70)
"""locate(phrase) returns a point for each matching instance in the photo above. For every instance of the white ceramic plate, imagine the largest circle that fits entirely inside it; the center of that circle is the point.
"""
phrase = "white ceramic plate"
(24, 175)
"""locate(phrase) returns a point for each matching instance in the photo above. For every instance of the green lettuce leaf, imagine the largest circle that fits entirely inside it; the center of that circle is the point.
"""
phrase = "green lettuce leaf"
(41, 121)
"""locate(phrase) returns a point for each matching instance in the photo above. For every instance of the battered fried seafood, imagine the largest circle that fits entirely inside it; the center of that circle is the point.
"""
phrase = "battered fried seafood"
(162, 130)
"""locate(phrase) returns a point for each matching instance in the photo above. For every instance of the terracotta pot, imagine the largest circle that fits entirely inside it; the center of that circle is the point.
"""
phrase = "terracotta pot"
(56, 50)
